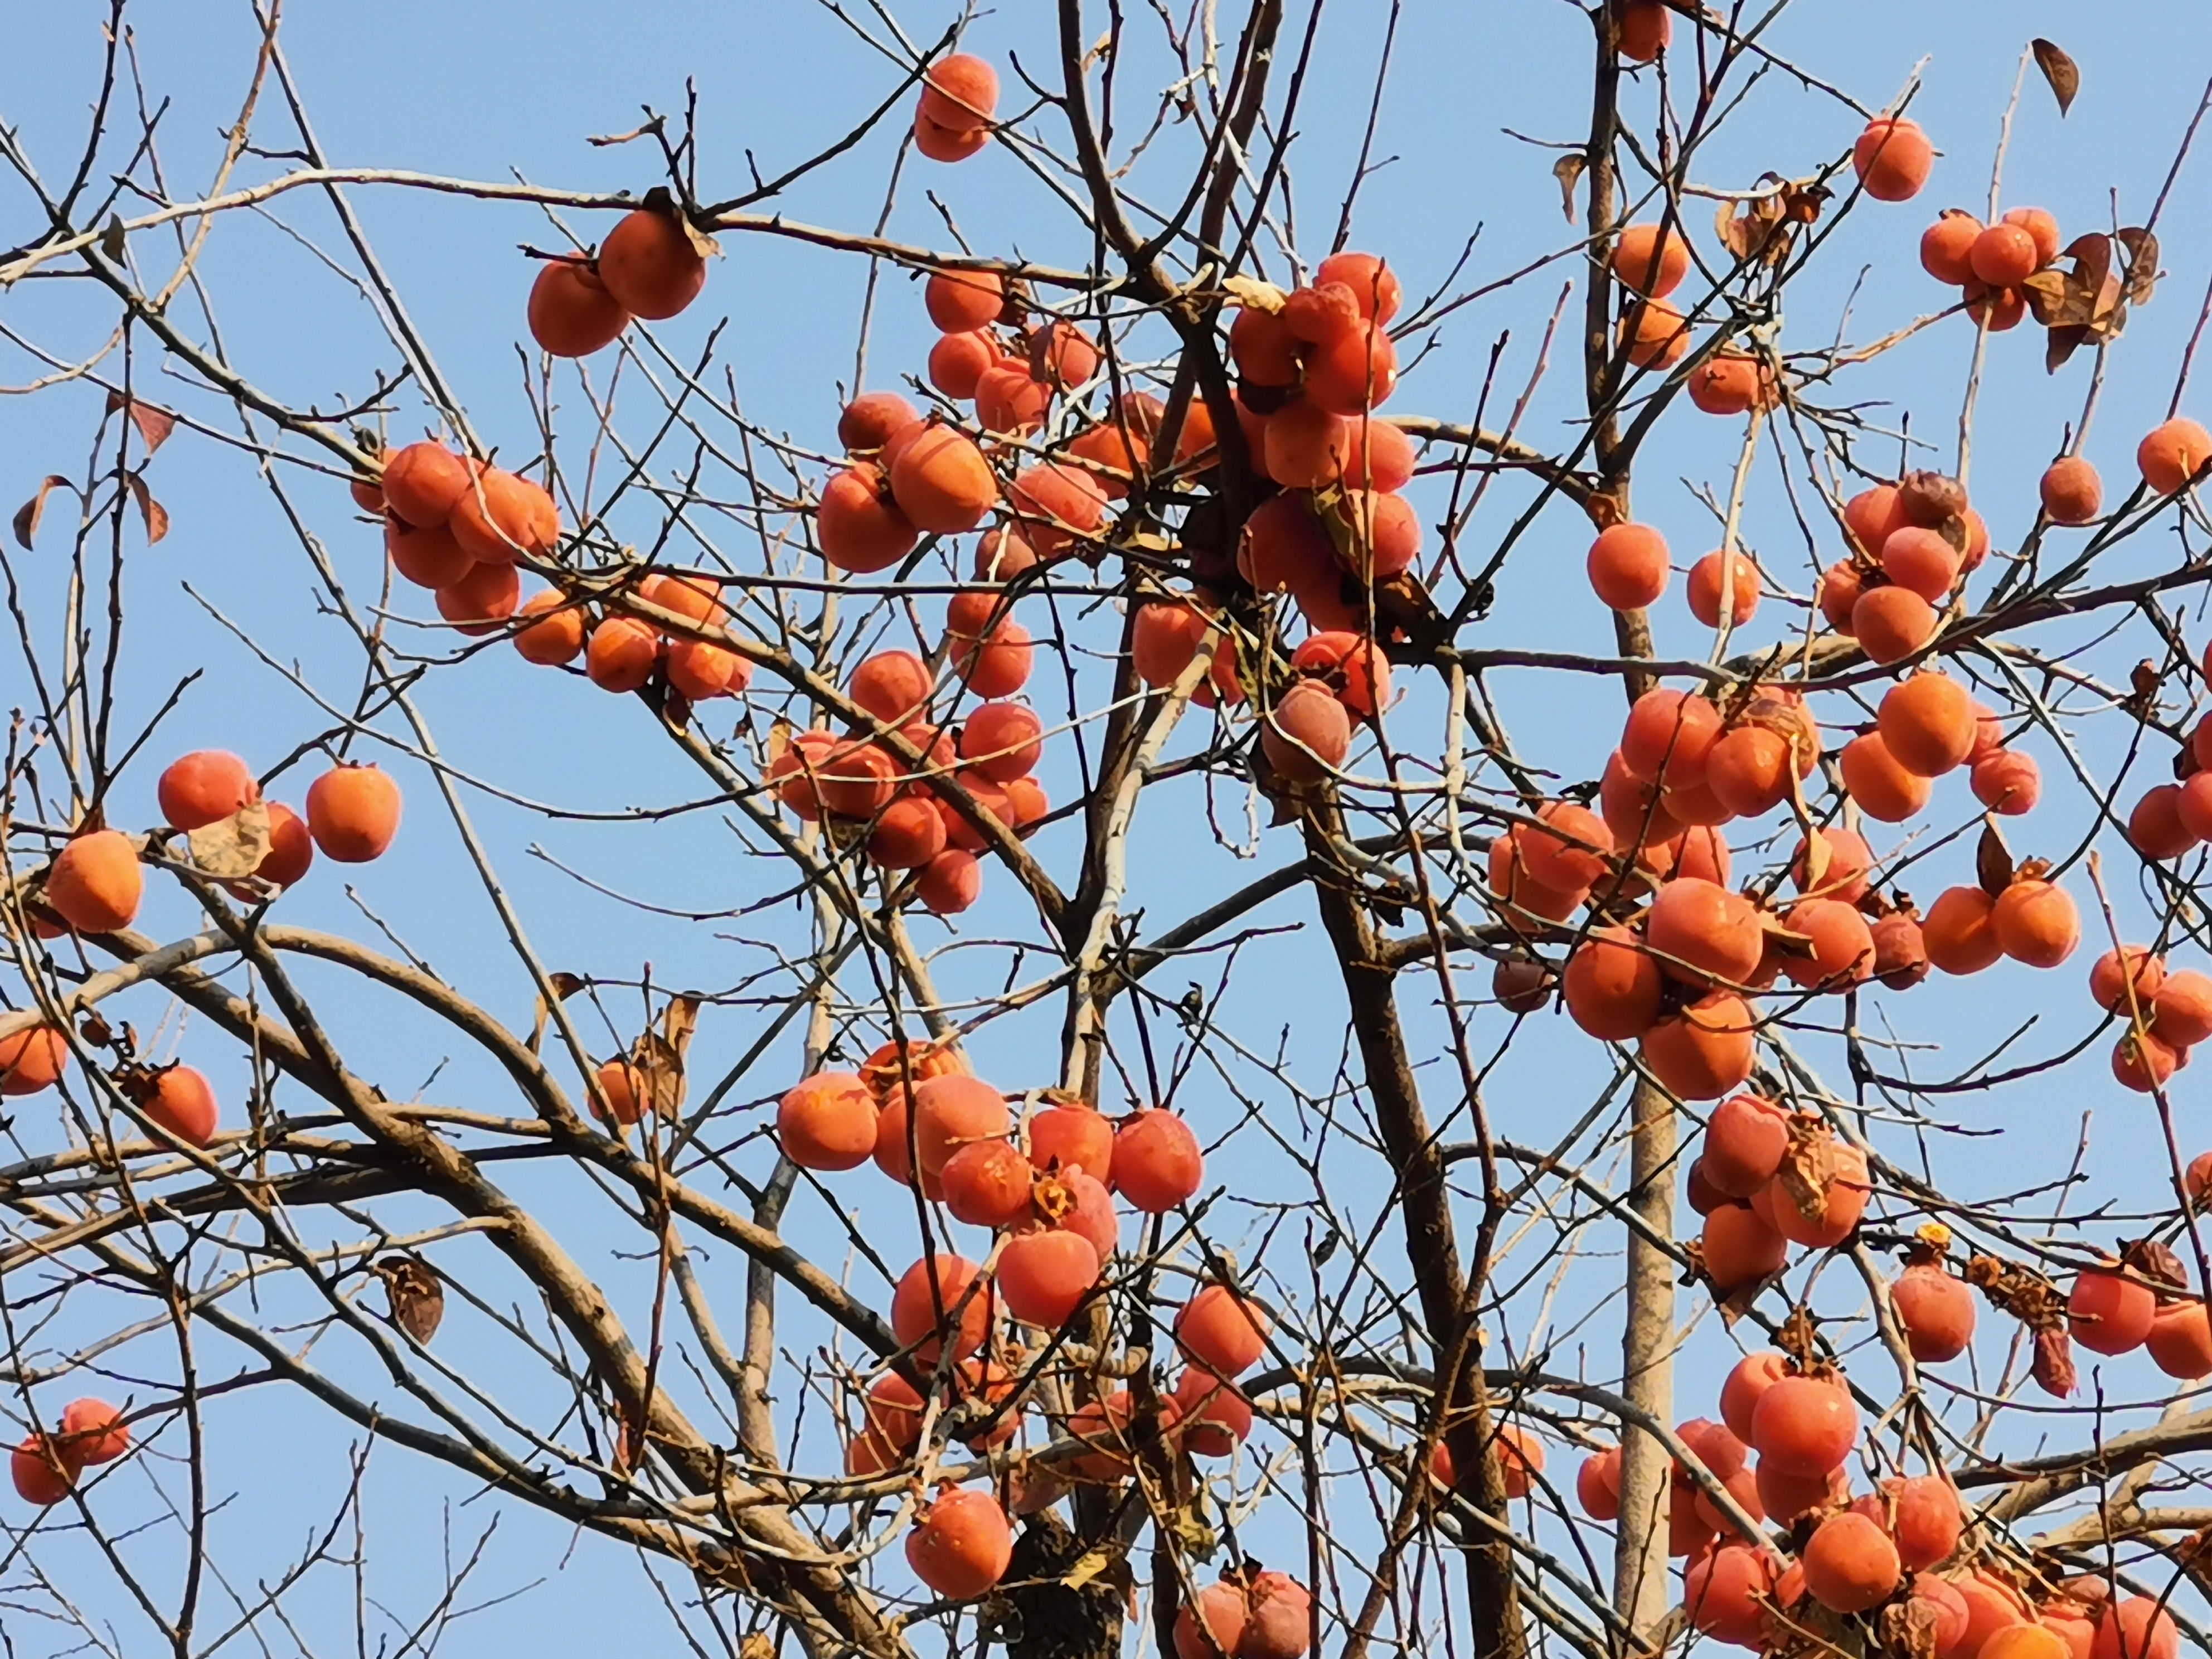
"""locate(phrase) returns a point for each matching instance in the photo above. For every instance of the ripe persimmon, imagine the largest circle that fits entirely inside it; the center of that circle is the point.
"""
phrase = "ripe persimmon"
(1055, 505)
(1901, 950)
(1649, 260)
(203, 787)
(2003, 256)
(1926, 723)
(1643, 29)
(962, 1545)
(2071, 490)
(1706, 581)
(1221, 1332)
(2109, 1310)
(1946, 246)
(428, 558)
(1352, 665)
(557, 637)
(485, 596)
(95, 883)
(942, 482)
(422, 481)
(571, 314)
(952, 1110)
(1959, 932)
(500, 518)
(1156, 1164)
(1307, 446)
(353, 813)
(1883, 789)
(960, 93)
(2008, 781)
(1739, 1249)
(1655, 334)
(1704, 1050)
(2036, 922)
(1748, 771)
(1306, 734)
(1892, 157)
(1843, 945)
(1667, 738)
(1843, 866)
(1936, 1309)
(1700, 931)
(2181, 1008)
(1729, 383)
(181, 1100)
(1043, 1276)
(1890, 623)
(649, 265)
(2172, 454)
(1627, 565)
(1352, 374)
(871, 420)
(31, 1060)
(1725, 1592)
(960, 300)
(859, 529)
(621, 653)
(1851, 1565)
(2144, 1062)
(924, 1304)
(1612, 986)
(1920, 562)
(41, 1474)
(828, 1121)
(1804, 1425)
(1570, 852)
(2135, 1627)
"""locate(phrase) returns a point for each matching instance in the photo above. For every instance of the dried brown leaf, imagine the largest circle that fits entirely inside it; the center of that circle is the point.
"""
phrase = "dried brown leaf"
(1809, 1168)
(2060, 70)
(155, 425)
(2061, 344)
(2143, 263)
(28, 515)
(1568, 170)
(1908, 1628)
(156, 514)
(1993, 865)
(1253, 294)
(681, 1020)
(2053, 1365)
(111, 239)
(232, 846)
(660, 1074)
(418, 1300)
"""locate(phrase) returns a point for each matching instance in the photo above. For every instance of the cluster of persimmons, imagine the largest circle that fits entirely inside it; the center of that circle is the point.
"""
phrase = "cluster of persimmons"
(931, 763)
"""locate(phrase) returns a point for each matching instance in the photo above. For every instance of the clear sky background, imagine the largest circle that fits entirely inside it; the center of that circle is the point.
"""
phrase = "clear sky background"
(490, 89)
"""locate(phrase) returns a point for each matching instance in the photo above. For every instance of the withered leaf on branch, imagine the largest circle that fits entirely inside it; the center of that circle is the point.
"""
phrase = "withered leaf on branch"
(1809, 1168)
(660, 1068)
(2156, 1262)
(156, 514)
(1908, 1628)
(2060, 70)
(1993, 865)
(155, 425)
(1253, 294)
(232, 847)
(1568, 170)
(28, 515)
(112, 239)
(2053, 1365)
(2142, 249)
(418, 1300)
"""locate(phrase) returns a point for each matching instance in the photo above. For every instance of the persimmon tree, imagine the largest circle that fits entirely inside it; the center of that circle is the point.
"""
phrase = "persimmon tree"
(1174, 1128)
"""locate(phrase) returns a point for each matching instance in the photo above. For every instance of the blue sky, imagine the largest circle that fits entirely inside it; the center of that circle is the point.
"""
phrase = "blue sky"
(498, 90)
